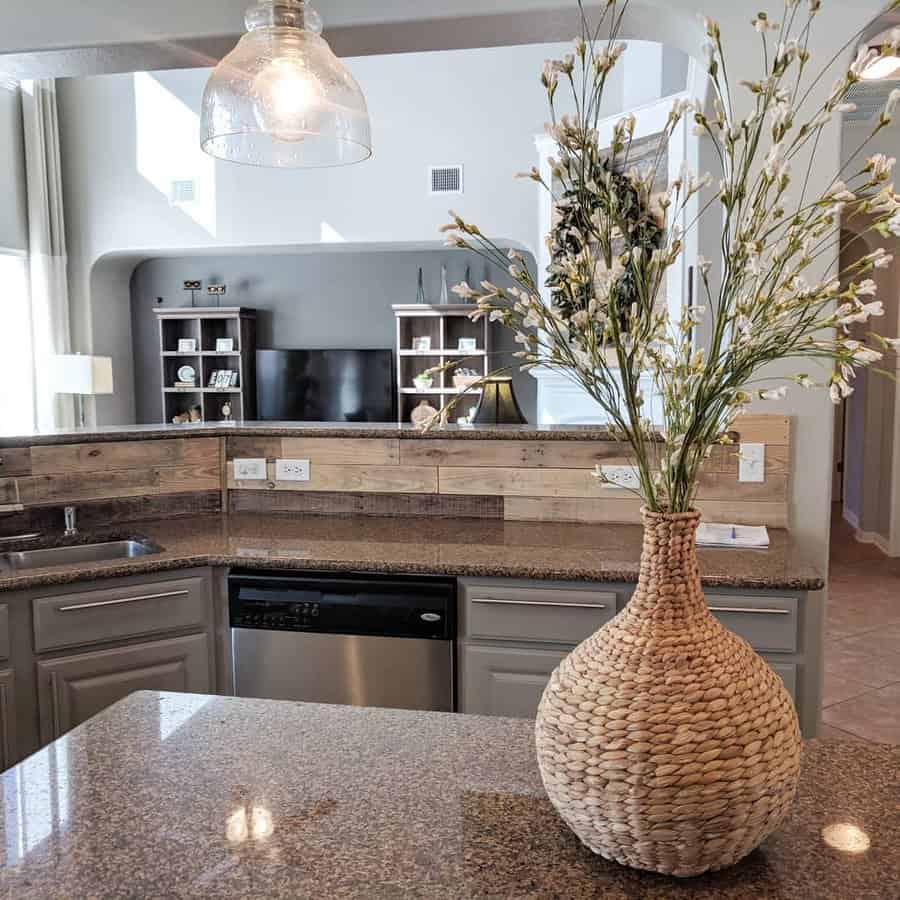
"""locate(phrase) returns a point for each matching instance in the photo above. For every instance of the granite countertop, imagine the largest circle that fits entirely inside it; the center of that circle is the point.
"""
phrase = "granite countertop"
(189, 796)
(446, 546)
(309, 429)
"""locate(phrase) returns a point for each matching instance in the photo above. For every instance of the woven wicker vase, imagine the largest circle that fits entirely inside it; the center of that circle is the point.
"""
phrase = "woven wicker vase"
(663, 740)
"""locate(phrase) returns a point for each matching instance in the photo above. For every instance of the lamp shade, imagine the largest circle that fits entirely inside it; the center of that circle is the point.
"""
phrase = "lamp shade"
(77, 374)
(282, 98)
(498, 405)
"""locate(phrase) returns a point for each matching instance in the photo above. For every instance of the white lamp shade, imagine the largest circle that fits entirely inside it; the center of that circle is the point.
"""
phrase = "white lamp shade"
(77, 374)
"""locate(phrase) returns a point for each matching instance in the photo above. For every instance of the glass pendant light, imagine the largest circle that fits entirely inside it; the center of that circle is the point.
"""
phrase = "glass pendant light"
(281, 98)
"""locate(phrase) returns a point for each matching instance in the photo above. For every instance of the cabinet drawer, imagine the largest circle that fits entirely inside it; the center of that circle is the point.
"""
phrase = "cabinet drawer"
(4, 631)
(766, 623)
(505, 681)
(123, 611)
(548, 615)
(788, 674)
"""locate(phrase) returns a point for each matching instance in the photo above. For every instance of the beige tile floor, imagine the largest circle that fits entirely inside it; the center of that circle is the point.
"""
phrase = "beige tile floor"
(861, 692)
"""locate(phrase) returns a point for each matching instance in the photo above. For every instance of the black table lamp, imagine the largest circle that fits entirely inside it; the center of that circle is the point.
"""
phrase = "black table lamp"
(498, 405)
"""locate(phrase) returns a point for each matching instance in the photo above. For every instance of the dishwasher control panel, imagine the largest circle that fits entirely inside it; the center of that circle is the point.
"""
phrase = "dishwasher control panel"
(415, 607)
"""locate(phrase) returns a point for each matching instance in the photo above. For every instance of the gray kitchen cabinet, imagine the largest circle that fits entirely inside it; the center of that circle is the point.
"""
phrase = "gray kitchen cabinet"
(73, 688)
(513, 633)
(8, 746)
(505, 681)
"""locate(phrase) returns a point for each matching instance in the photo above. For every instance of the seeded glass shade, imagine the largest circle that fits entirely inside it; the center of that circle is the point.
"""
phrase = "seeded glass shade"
(498, 404)
(281, 98)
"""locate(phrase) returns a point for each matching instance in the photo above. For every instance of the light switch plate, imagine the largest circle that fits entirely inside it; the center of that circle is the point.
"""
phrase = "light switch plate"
(250, 470)
(752, 462)
(292, 470)
(622, 476)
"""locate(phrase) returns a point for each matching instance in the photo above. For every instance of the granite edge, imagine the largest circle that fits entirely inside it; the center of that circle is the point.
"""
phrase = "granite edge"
(145, 565)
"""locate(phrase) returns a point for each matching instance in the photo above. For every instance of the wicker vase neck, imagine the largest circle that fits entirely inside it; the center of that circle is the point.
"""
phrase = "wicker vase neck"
(668, 586)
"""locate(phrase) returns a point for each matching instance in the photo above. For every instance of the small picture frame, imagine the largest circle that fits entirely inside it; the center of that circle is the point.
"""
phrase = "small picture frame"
(224, 345)
(234, 379)
(213, 376)
(467, 344)
(187, 345)
(224, 379)
(421, 344)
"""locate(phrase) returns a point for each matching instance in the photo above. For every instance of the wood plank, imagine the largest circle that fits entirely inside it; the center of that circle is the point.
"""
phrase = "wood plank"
(725, 460)
(15, 461)
(627, 511)
(364, 479)
(325, 451)
(343, 451)
(510, 482)
(514, 454)
(252, 447)
(714, 486)
(64, 459)
(756, 428)
(45, 489)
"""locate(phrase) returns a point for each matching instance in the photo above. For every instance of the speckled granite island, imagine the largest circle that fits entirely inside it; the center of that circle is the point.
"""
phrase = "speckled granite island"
(190, 796)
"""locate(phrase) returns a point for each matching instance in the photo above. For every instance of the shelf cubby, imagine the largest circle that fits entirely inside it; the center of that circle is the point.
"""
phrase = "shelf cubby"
(444, 325)
(206, 325)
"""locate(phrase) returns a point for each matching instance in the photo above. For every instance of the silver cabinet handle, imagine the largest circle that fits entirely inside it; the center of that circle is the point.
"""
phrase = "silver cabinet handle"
(541, 603)
(751, 609)
(120, 601)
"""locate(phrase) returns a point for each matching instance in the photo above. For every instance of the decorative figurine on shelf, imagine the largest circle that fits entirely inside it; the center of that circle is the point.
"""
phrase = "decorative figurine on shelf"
(194, 414)
(445, 291)
(226, 411)
(423, 415)
(423, 381)
(420, 290)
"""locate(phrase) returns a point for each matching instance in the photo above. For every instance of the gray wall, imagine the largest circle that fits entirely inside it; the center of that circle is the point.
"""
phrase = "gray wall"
(309, 300)
(13, 209)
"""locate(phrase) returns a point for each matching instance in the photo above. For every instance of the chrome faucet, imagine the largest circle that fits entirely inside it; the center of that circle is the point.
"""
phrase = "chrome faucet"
(71, 528)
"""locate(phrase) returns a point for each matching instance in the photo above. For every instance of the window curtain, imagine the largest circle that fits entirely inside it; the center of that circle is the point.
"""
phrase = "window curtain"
(49, 292)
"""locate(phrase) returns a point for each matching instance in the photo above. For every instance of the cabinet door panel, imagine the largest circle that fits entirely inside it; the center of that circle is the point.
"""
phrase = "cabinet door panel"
(74, 688)
(4, 631)
(505, 681)
(8, 754)
(788, 674)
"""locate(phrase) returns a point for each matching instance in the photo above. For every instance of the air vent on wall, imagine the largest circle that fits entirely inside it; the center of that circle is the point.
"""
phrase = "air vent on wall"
(445, 179)
(183, 191)
(870, 98)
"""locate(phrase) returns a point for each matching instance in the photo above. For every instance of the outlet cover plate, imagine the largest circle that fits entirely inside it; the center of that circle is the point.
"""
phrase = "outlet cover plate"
(250, 470)
(752, 463)
(622, 477)
(292, 470)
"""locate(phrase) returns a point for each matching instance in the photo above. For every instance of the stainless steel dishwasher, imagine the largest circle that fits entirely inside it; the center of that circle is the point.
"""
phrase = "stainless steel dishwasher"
(363, 640)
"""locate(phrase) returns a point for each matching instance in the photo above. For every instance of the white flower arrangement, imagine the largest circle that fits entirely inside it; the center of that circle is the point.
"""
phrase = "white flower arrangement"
(613, 243)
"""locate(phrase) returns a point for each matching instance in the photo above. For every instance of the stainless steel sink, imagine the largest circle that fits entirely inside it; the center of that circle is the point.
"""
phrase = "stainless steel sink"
(74, 554)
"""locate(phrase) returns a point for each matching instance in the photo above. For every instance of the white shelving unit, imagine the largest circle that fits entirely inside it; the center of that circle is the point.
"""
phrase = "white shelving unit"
(444, 325)
(205, 325)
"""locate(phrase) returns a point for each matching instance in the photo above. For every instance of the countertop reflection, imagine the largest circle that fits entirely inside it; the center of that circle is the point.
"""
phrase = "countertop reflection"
(179, 795)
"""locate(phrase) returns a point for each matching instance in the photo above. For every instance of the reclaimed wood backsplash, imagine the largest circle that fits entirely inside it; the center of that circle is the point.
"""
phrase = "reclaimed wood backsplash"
(536, 480)
(58, 474)
(525, 478)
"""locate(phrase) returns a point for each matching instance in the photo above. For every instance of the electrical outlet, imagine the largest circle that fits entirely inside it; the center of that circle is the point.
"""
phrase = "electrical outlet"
(622, 476)
(292, 470)
(752, 462)
(250, 470)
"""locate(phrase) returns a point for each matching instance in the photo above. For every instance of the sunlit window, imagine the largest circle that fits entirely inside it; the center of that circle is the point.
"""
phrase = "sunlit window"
(16, 367)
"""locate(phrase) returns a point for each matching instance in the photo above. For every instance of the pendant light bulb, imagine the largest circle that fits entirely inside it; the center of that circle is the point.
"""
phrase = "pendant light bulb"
(282, 98)
(289, 100)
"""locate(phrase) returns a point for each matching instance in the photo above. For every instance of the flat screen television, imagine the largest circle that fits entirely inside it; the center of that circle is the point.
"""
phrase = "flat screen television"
(325, 385)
